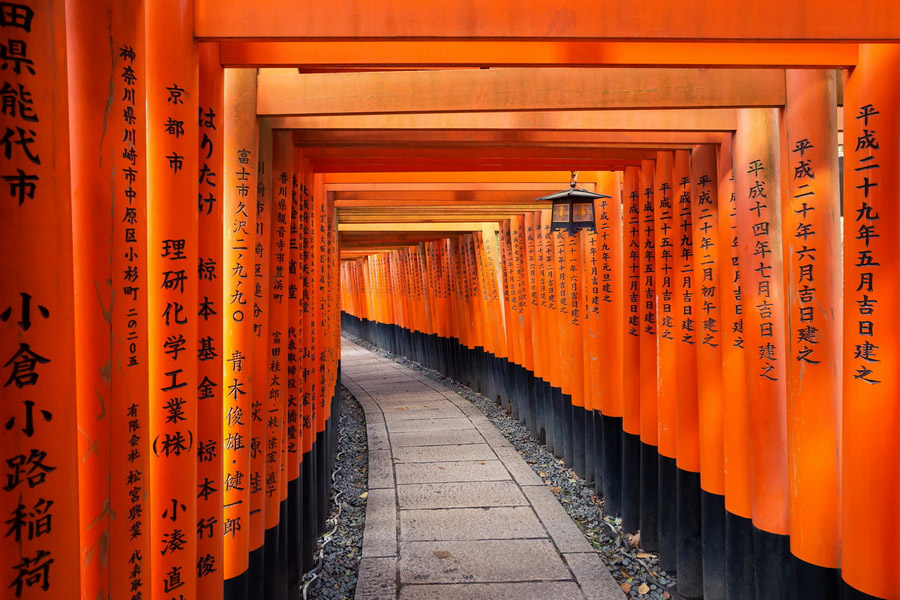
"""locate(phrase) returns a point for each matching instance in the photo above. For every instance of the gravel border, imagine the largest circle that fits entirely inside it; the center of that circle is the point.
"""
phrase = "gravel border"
(636, 570)
(342, 550)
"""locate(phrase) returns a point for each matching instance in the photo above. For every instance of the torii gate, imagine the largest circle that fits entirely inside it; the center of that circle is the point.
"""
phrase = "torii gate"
(795, 445)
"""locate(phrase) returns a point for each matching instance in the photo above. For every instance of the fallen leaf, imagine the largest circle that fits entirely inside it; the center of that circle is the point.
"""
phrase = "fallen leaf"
(643, 589)
(442, 554)
(644, 555)
(541, 474)
(556, 489)
(667, 595)
(364, 495)
(626, 587)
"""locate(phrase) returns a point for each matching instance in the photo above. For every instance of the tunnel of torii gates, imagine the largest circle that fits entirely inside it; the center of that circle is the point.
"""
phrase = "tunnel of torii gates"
(198, 194)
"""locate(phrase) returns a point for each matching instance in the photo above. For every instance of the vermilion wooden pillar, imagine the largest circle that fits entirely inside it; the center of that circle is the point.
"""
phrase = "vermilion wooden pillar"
(37, 336)
(665, 241)
(172, 257)
(241, 530)
(632, 318)
(707, 305)
(608, 326)
(129, 269)
(105, 52)
(590, 306)
(575, 326)
(566, 345)
(272, 297)
(870, 474)
(210, 359)
(689, 564)
(812, 239)
(281, 174)
(550, 321)
(532, 305)
(758, 164)
(649, 356)
(736, 428)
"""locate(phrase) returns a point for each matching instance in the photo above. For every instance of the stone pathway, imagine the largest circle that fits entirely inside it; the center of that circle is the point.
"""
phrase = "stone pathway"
(453, 510)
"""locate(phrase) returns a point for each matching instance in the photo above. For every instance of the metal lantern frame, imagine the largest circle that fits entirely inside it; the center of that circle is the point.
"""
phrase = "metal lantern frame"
(573, 209)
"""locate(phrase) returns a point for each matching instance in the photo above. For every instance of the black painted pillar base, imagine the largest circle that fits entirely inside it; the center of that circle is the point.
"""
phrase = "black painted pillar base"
(590, 447)
(712, 507)
(649, 498)
(578, 460)
(772, 565)
(738, 558)
(559, 434)
(666, 477)
(810, 581)
(257, 574)
(631, 482)
(567, 435)
(613, 461)
(689, 538)
(598, 452)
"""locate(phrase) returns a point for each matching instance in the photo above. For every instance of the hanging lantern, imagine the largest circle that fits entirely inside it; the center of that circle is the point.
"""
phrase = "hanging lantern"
(573, 209)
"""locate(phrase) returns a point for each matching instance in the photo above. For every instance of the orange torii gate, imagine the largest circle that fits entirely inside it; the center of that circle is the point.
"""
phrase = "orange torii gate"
(795, 467)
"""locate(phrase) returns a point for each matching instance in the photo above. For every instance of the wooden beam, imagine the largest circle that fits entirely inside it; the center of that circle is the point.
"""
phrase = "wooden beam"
(685, 119)
(427, 217)
(283, 92)
(646, 139)
(419, 54)
(395, 227)
(427, 180)
(760, 20)
(411, 164)
(439, 154)
(440, 197)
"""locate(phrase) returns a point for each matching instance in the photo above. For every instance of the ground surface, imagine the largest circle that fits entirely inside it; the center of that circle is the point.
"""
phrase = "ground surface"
(453, 509)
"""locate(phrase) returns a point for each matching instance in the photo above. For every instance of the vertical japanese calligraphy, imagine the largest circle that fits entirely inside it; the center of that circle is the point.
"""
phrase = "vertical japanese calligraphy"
(241, 414)
(210, 541)
(758, 196)
(38, 443)
(871, 417)
(812, 236)
(172, 255)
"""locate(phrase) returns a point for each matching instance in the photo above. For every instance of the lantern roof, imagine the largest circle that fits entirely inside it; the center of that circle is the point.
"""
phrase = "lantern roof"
(573, 193)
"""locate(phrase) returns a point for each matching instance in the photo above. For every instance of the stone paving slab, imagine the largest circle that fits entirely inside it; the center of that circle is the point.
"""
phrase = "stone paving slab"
(469, 470)
(556, 590)
(408, 425)
(380, 534)
(481, 561)
(436, 438)
(565, 533)
(474, 520)
(377, 579)
(405, 413)
(460, 495)
(418, 454)
(497, 523)
(381, 472)
(593, 576)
